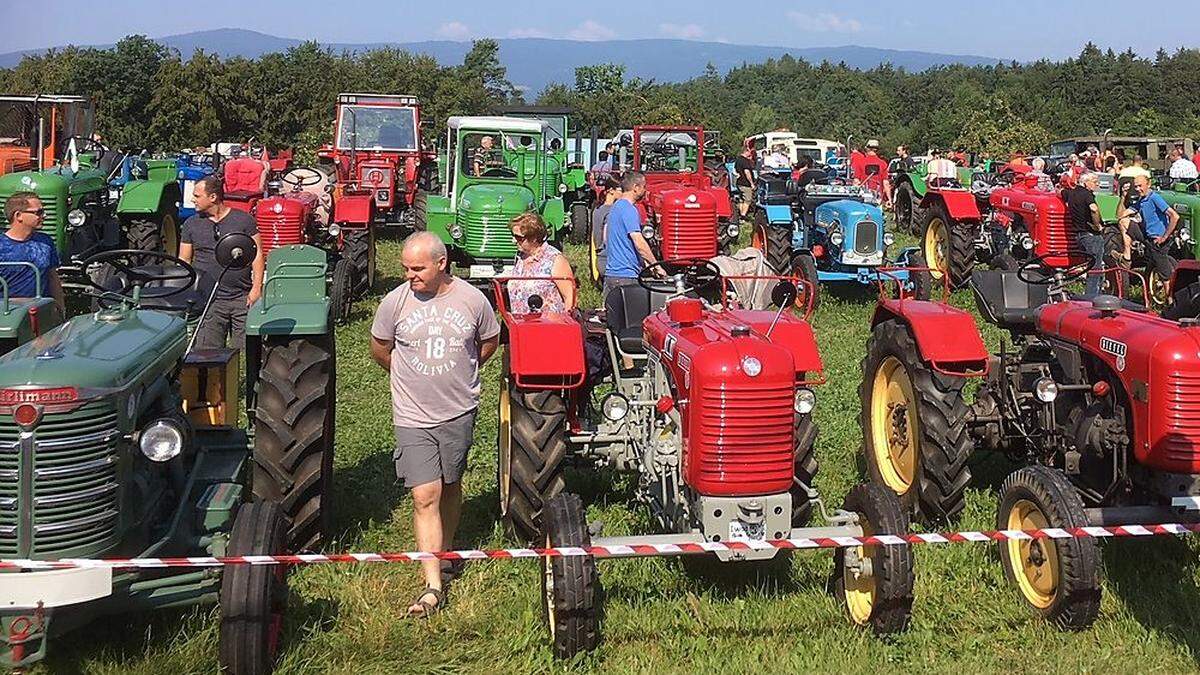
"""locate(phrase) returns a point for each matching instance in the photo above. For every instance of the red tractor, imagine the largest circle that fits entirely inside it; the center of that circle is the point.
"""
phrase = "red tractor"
(383, 170)
(710, 406)
(685, 214)
(1097, 399)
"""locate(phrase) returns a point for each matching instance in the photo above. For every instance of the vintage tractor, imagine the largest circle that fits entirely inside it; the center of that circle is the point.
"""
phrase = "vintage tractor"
(496, 167)
(714, 418)
(148, 207)
(685, 214)
(570, 180)
(829, 233)
(120, 442)
(191, 168)
(35, 130)
(1095, 397)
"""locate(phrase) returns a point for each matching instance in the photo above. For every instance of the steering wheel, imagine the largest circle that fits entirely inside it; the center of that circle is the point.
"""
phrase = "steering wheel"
(298, 179)
(679, 276)
(84, 144)
(1053, 275)
(499, 172)
(124, 260)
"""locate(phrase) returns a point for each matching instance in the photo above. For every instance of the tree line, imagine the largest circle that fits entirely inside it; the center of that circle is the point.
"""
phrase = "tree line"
(147, 95)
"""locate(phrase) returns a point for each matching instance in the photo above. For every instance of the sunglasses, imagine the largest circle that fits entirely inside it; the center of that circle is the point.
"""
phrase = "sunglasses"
(40, 213)
(520, 237)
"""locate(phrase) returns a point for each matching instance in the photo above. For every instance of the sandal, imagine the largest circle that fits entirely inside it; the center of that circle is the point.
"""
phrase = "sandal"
(427, 609)
(451, 570)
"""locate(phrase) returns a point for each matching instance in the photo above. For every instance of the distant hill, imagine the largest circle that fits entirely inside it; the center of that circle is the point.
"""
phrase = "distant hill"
(535, 62)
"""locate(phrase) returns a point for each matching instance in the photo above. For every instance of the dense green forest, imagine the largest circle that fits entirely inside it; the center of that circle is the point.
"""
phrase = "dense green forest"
(148, 96)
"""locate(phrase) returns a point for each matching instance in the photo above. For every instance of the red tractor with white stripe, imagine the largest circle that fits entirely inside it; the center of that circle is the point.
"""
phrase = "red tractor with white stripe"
(684, 214)
(710, 405)
(1098, 399)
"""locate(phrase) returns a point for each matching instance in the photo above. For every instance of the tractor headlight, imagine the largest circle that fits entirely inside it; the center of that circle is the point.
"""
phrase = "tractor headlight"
(732, 230)
(836, 237)
(806, 400)
(1027, 242)
(161, 441)
(648, 231)
(1185, 235)
(456, 231)
(562, 188)
(614, 407)
(76, 218)
(888, 238)
(1046, 390)
(182, 176)
(334, 229)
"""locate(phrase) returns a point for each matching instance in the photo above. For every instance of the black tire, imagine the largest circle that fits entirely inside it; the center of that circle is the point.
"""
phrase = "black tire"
(804, 267)
(775, 241)
(570, 584)
(1073, 565)
(960, 249)
(922, 280)
(341, 291)
(1185, 303)
(158, 233)
(359, 249)
(581, 224)
(293, 435)
(891, 576)
(934, 488)
(806, 468)
(533, 450)
(420, 207)
(1115, 282)
(253, 598)
(909, 214)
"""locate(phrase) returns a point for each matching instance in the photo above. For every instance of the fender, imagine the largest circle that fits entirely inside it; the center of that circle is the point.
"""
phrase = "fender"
(293, 301)
(778, 214)
(947, 337)
(960, 204)
(531, 364)
(148, 196)
(553, 214)
(357, 208)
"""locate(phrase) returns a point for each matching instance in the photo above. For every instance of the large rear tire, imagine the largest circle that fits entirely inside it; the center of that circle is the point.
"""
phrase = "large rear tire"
(581, 224)
(532, 443)
(948, 246)
(341, 291)
(359, 249)
(158, 233)
(878, 595)
(570, 584)
(909, 214)
(775, 243)
(253, 598)
(293, 435)
(914, 422)
(420, 207)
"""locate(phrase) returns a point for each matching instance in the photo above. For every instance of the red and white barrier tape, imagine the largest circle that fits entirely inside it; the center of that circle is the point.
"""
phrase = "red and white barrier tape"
(615, 551)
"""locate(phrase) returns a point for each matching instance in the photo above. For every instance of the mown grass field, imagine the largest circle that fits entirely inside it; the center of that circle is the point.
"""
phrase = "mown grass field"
(349, 619)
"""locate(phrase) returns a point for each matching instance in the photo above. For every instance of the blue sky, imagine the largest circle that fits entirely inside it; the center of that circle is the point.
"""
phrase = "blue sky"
(1001, 28)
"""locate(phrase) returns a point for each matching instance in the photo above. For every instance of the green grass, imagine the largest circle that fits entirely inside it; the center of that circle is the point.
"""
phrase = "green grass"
(348, 619)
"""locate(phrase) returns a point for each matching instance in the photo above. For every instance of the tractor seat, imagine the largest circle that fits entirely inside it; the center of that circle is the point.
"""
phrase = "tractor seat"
(1005, 300)
(243, 178)
(625, 308)
(775, 189)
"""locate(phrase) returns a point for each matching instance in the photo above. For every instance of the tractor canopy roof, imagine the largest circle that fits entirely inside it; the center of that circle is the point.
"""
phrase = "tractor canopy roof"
(531, 110)
(377, 99)
(509, 124)
(44, 98)
(1120, 139)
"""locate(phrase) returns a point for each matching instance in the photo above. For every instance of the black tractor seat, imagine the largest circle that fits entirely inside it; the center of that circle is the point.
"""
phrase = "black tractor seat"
(1006, 300)
(777, 189)
(626, 307)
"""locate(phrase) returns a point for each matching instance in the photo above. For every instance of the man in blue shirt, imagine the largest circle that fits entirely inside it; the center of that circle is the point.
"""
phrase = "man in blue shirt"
(22, 243)
(1157, 226)
(628, 251)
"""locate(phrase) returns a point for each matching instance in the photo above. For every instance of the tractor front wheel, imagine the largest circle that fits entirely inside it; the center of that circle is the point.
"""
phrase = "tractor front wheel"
(359, 248)
(581, 224)
(948, 246)
(253, 598)
(420, 207)
(876, 582)
(341, 291)
(532, 443)
(1158, 287)
(570, 584)
(1058, 578)
(774, 242)
(914, 422)
(920, 280)
(293, 434)
(804, 267)
(805, 469)
(909, 215)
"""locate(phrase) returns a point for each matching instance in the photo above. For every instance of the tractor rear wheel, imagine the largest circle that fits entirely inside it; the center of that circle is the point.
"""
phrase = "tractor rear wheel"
(341, 291)
(876, 582)
(774, 242)
(948, 246)
(1158, 287)
(804, 267)
(581, 224)
(921, 279)
(532, 443)
(806, 468)
(359, 248)
(253, 598)
(909, 214)
(1058, 578)
(159, 233)
(293, 434)
(914, 421)
(420, 207)
(570, 584)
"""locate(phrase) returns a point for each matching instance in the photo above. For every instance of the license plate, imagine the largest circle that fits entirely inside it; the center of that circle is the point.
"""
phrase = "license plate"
(739, 531)
(487, 271)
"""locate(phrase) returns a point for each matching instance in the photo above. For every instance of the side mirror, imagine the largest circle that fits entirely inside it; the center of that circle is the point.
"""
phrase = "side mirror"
(236, 251)
(536, 303)
(784, 294)
(556, 144)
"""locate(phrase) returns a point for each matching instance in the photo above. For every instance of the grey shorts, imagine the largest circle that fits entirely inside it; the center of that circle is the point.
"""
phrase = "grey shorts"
(747, 194)
(436, 453)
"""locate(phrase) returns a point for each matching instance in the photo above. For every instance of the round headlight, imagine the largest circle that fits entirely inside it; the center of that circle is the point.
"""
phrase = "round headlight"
(562, 188)
(806, 400)
(614, 407)
(751, 366)
(888, 238)
(1027, 243)
(456, 231)
(836, 238)
(1046, 390)
(647, 231)
(732, 229)
(1185, 235)
(182, 176)
(161, 441)
(76, 218)
(334, 229)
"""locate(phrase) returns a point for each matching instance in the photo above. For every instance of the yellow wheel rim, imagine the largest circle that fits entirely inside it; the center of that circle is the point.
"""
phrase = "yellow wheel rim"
(170, 235)
(860, 590)
(936, 241)
(894, 426)
(1034, 562)
(1158, 289)
(504, 442)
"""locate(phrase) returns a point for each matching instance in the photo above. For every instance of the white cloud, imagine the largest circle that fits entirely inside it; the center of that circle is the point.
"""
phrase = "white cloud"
(825, 22)
(528, 33)
(455, 30)
(591, 30)
(689, 31)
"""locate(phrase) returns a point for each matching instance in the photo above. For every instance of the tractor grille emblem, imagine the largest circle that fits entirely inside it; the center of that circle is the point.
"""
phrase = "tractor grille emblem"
(1117, 349)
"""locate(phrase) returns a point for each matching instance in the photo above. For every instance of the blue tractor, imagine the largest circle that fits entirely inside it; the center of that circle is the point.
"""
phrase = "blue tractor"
(828, 231)
(192, 168)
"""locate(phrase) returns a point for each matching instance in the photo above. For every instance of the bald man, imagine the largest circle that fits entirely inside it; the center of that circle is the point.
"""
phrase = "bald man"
(432, 334)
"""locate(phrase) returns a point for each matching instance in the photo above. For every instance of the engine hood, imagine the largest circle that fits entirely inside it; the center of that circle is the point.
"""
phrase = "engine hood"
(496, 198)
(847, 212)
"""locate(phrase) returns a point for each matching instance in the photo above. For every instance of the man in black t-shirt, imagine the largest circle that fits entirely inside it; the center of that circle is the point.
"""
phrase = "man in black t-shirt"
(805, 175)
(743, 166)
(236, 290)
(1085, 218)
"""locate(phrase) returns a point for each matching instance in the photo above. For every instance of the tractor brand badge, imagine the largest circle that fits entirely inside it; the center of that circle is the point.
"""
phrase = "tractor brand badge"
(669, 346)
(1028, 206)
(1117, 349)
(685, 362)
(1181, 209)
(10, 397)
(1004, 201)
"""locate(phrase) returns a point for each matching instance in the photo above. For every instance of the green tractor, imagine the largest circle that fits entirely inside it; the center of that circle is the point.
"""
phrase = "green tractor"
(908, 191)
(571, 179)
(119, 441)
(496, 168)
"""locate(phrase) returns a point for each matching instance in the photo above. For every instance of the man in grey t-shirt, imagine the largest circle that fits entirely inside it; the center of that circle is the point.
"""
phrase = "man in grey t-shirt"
(432, 334)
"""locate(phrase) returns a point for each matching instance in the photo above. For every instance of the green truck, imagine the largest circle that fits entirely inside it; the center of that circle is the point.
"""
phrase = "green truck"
(571, 179)
(496, 169)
